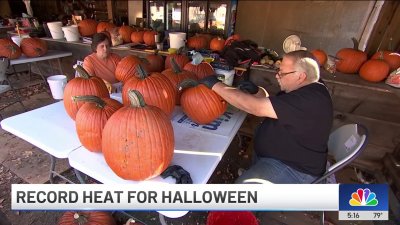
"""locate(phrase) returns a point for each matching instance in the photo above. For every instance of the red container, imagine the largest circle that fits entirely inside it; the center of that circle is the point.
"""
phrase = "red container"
(231, 218)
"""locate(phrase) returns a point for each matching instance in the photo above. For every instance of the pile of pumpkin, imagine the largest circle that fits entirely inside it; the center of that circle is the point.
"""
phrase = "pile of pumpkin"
(353, 61)
(137, 138)
(31, 47)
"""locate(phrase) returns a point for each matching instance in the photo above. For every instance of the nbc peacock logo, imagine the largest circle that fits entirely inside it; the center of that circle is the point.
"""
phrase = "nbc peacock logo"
(363, 197)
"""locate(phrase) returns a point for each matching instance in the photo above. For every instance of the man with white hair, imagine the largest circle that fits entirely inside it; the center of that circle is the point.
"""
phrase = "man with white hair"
(291, 143)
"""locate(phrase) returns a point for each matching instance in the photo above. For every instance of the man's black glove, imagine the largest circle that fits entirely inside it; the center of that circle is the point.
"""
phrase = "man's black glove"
(181, 176)
(248, 86)
(209, 81)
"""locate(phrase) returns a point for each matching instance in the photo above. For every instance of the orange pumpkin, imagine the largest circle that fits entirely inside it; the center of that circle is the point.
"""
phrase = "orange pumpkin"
(127, 68)
(208, 38)
(202, 70)
(9, 49)
(91, 119)
(197, 42)
(137, 37)
(175, 75)
(201, 104)
(86, 218)
(87, 27)
(33, 47)
(374, 70)
(350, 59)
(155, 62)
(180, 59)
(82, 85)
(232, 38)
(138, 140)
(155, 88)
(148, 38)
(126, 32)
(103, 26)
(320, 56)
(392, 58)
(217, 44)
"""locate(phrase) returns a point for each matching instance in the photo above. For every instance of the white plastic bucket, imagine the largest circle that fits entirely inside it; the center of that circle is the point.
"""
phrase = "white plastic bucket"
(229, 75)
(71, 33)
(55, 29)
(177, 39)
(57, 84)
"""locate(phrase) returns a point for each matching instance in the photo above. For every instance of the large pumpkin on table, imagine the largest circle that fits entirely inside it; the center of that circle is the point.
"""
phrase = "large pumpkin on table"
(197, 42)
(201, 104)
(137, 36)
(155, 62)
(127, 68)
(138, 140)
(125, 32)
(82, 85)
(374, 70)
(148, 38)
(180, 59)
(155, 88)
(91, 119)
(217, 44)
(392, 58)
(104, 26)
(87, 27)
(350, 59)
(320, 55)
(201, 70)
(33, 47)
(86, 218)
(9, 49)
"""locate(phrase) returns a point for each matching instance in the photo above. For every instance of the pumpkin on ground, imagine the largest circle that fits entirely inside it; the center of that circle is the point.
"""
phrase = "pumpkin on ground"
(126, 32)
(155, 88)
(149, 38)
(374, 70)
(137, 37)
(82, 85)
(179, 58)
(197, 42)
(320, 55)
(392, 58)
(217, 44)
(201, 104)
(33, 47)
(127, 68)
(138, 140)
(350, 59)
(176, 75)
(201, 70)
(103, 26)
(91, 119)
(155, 62)
(9, 49)
(86, 218)
(87, 27)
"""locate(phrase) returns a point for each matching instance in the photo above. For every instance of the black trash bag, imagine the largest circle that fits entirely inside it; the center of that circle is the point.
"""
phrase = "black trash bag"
(181, 176)
(241, 51)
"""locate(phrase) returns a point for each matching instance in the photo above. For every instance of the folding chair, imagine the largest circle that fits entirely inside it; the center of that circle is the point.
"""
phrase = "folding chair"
(5, 85)
(344, 145)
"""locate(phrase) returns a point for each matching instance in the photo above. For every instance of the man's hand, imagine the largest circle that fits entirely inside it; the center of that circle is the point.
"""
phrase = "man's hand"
(209, 81)
(248, 86)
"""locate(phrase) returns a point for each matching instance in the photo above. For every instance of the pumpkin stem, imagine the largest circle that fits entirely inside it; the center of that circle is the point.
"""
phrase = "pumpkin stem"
(175, 66)
(355, 43)
(142, 73)
(187, 83)
(81, 71)
(90, 98)
(80, 218)
(381, 55)
(136, 99)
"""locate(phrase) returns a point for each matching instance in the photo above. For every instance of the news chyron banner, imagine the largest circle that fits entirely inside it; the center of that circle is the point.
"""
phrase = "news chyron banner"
(353, 201)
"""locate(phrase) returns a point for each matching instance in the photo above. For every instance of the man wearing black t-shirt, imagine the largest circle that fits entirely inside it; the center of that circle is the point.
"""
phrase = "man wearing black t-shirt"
(291, 143)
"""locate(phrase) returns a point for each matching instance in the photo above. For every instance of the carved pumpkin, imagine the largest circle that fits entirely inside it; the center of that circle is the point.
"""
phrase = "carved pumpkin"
(350, 59)
(33, 47)
(392, 58)
(175, 75)
(137, 37)
(138, 140)
(9, 49)
(181, 60)
(217, 44)
(103, 26)
(155, 88)
(155, 62)
(91, 119)
(86, 218)
(320, 56)
(87, 27)
(82, 85)
(197, 42)
(126, 32)
(374, 70)
(148, 38)
(202, 70)
(201, 104)
(127, 68)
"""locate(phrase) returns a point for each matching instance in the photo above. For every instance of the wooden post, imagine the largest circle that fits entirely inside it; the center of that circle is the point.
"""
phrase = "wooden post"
(110, 10)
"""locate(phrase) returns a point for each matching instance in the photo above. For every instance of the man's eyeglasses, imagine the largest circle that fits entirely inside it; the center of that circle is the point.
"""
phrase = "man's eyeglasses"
(280, 74)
